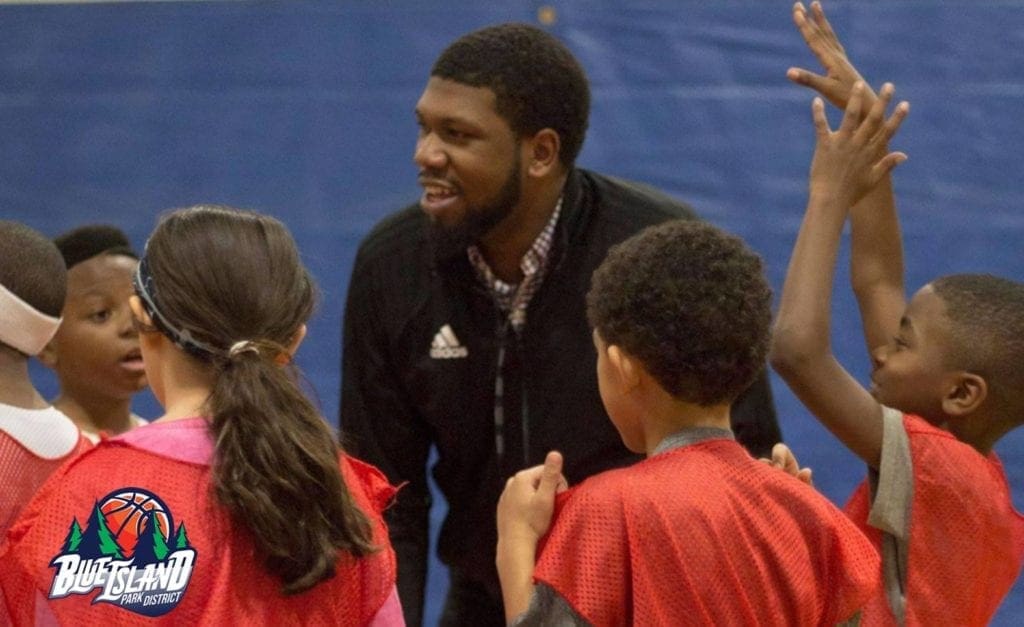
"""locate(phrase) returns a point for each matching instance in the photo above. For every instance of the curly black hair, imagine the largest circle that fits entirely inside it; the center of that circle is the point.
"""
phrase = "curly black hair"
(537, 81)
(691, 303)
(986, 315)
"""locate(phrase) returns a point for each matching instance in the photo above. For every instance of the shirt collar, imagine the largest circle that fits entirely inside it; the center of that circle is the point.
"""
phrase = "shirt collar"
(533, 261)
(691, 435)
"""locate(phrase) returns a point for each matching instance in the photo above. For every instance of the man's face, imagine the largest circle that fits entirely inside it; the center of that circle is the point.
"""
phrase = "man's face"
(468, 159)
(96, 348)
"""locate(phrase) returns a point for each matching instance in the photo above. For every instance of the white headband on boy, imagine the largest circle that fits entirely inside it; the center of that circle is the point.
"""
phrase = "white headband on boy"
(24, 327)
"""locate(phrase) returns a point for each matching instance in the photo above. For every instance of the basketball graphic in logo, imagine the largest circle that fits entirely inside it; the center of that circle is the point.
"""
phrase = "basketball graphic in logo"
(129, 512)
(125, 550)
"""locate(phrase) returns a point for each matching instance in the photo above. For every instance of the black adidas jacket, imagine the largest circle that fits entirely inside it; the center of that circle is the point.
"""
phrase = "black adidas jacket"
(406, 384)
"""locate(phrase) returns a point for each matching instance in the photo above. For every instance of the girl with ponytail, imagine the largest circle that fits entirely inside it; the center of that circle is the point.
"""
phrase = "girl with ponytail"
(236, 506)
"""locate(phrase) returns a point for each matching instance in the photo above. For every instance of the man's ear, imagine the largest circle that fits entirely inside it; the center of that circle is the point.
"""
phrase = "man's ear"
(966, 393)
(542, 152)
(624, 366)
(48, 356)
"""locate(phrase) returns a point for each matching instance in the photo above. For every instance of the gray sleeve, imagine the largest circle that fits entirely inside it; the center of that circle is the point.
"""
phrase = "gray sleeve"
(893, 483)
(892, 491)
(548, 609)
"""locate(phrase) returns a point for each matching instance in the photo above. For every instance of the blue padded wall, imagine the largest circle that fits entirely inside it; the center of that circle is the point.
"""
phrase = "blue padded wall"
(303, 109)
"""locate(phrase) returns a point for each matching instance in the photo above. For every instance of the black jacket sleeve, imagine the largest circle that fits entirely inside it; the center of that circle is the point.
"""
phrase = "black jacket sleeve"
(753, 418)
(380, 425)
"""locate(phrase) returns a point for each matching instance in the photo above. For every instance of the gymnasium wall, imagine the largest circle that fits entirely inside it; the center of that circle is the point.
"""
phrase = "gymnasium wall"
(114, 112)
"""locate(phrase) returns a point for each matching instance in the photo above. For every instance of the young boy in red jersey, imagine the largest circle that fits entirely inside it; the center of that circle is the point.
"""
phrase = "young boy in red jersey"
(699, 532)
(95, 353)
(946, 384)
(35, 438)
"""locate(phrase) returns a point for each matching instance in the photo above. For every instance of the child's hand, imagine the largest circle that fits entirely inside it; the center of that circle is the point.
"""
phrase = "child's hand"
(785, 460)
(526, 505)
(851, 160)
(840, 75)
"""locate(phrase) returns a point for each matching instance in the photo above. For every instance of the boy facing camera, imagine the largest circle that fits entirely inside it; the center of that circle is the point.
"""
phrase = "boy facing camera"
(95, 354)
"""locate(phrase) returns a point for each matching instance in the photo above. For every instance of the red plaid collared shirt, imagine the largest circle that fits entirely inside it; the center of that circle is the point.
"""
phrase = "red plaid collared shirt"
(513, 298)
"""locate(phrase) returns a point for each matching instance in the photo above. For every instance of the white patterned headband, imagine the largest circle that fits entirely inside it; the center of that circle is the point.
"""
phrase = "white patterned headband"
(24, 327)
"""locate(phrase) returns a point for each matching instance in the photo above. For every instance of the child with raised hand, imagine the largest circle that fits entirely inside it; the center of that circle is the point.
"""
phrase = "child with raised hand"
(946, 382)
(35, 438)
(234, 507)
(95, 353)
(699, 532)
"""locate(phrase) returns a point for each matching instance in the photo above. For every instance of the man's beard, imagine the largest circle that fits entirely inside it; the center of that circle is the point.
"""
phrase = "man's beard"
(454, 239)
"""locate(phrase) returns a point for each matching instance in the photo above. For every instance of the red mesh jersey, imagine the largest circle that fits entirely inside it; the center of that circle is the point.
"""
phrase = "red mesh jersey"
(22, 472)
(228, 585)
(966, 541)
(706, 535)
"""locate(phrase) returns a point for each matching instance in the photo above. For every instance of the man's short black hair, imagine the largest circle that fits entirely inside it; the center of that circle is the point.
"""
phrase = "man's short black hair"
(691, 303)
(986, 315)
(31, 267)
(86, 242)
(536, 79)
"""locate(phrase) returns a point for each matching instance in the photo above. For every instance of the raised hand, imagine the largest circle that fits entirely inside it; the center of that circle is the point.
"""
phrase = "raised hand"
(851, 160)
(840, 74)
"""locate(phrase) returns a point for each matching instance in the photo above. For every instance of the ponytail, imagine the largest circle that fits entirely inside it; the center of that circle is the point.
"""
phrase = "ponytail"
(276, 470)
(213, 276)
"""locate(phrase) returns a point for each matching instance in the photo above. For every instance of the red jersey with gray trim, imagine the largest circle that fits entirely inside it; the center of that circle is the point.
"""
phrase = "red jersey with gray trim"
(705, 534)
(966, 540)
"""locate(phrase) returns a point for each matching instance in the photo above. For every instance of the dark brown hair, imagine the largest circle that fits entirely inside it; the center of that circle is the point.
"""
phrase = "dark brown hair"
(691, 302)
(223, 276)
(986, 315)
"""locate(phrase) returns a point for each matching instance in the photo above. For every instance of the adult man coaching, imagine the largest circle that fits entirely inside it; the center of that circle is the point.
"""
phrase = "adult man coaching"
(465, 325)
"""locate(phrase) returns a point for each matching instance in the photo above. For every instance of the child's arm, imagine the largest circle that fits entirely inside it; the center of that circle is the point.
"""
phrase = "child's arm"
(524, 516)
(846, 166)
(876, 261)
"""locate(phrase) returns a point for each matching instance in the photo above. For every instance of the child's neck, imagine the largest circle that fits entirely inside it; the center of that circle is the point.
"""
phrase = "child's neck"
(95, 414)
(670, 415)
(16, 387)
(980, 431)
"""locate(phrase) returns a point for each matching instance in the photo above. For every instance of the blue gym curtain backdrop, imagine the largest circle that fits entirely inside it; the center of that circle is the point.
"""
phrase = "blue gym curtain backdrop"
(114, 112)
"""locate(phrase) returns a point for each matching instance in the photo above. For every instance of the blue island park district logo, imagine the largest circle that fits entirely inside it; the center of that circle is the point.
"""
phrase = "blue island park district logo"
(130, 550)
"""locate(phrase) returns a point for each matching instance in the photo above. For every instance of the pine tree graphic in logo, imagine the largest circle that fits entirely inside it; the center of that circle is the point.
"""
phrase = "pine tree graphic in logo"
(128, 550)
(74, 538)
(96, 541)
(181, 538)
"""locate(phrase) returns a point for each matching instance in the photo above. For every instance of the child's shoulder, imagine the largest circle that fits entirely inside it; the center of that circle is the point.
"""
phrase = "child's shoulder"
(701, 467)
(916, 425)
(607, 487)
(927, 440)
